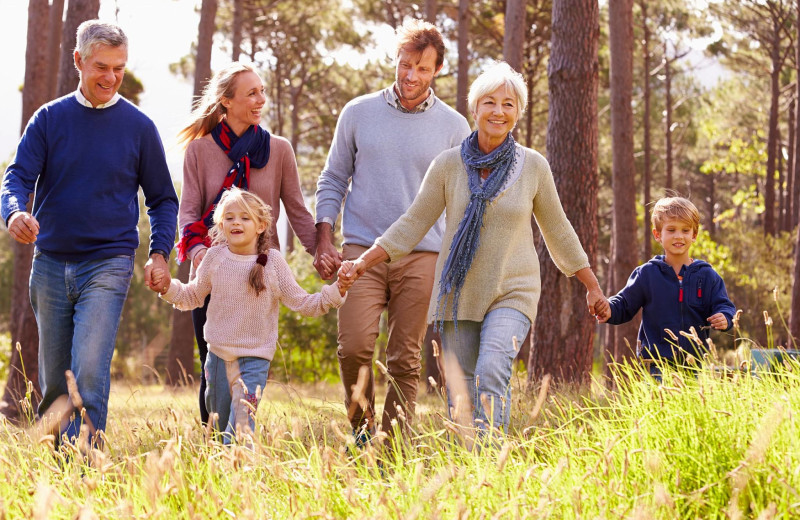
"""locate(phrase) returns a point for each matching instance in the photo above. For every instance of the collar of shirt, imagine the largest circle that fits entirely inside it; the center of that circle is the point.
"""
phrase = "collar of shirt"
(85, 102)
(390, 94)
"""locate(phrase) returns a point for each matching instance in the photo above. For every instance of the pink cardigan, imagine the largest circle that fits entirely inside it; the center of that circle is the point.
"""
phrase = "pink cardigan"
(205, 166)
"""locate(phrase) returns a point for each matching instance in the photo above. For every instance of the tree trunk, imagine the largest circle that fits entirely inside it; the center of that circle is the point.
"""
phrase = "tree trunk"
(564, 329)
(430, 11)
(514, 37)
(772, 142)
(780, 181)
(205, 37)
(647, 249)
(623, 257)
(668, 119)
(711, 204)
(180, 357)
(24, 363)
(54, 46)
(462, 81)
(78, 11)
(789, 206)
(796, 172)
(236, 30)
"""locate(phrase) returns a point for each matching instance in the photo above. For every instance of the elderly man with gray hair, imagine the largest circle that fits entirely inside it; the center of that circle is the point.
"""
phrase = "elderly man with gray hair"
(84, 156)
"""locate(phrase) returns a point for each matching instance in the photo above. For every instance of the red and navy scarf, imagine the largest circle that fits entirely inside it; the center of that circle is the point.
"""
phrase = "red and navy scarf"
(249, 149)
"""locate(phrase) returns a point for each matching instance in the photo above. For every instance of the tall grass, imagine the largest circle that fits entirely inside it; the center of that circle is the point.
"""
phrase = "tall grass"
(704, 445)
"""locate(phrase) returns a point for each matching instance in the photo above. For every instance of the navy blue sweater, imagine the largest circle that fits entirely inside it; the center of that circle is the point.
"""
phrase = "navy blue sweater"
(86, 166)
(670, 303)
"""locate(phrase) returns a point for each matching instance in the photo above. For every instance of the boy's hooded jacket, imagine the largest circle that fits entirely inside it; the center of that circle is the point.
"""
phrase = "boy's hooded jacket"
(670, 302)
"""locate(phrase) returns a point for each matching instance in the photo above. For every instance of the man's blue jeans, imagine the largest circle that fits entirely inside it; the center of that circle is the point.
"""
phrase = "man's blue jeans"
(485, 353)
(233, 391)
(78, 307)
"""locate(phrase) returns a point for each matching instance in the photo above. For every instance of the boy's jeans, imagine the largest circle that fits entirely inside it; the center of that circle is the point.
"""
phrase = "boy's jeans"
(78, 307)
(485, 353)
(233, 391)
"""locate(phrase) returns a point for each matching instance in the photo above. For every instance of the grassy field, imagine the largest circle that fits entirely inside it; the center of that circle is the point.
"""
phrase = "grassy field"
(692, 447)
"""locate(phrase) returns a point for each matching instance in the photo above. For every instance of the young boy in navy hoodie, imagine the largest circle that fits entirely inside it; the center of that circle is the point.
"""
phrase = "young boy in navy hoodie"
(673, 290)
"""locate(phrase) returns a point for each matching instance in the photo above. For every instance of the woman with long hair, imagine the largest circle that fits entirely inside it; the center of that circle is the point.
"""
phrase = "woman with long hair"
(226, 147)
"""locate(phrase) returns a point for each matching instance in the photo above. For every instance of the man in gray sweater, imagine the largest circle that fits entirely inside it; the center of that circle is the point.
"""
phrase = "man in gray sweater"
(383, 145)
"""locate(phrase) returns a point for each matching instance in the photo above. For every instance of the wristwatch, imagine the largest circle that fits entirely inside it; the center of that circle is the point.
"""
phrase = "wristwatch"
(160, 252)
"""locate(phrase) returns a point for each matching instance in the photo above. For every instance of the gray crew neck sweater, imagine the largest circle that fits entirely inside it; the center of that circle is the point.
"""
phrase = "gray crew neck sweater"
(376, 164)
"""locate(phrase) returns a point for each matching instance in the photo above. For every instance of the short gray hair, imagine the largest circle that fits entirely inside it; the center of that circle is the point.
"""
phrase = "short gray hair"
(94, 32)
(495, 76)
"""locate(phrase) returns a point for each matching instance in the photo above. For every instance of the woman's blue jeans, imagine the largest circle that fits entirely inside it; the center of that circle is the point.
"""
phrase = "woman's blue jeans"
(485, 353)
(233, 391)
(78, 307)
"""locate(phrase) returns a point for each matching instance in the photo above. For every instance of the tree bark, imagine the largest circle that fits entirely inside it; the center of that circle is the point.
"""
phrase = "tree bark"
(796, 172)
(54, 45)
(772, 139)
(647, 244)
(78, 11)
(623, 257)
(564, 329)
(24, 362)
(668, 183)
(789, 206)
(462, 81)
(205, 37)
(236, 37)
(514, 37)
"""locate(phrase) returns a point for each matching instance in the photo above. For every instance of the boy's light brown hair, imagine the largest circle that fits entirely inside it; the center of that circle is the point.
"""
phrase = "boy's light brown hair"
(675, 208)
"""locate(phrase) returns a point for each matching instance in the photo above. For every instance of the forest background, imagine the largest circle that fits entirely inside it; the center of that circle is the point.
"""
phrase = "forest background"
(654, 123)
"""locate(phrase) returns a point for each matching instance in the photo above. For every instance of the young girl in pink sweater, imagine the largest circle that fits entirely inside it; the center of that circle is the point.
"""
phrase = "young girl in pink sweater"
(247, 281)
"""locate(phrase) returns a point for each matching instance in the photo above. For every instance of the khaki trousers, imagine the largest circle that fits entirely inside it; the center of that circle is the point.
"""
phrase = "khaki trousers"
(404, 288)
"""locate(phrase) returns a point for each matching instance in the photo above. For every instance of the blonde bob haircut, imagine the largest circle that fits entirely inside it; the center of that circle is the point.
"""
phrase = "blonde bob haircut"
(495, 76)
(675, 208)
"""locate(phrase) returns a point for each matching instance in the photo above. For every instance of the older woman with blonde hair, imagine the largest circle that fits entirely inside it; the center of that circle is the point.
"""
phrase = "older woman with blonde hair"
(226, 147)
(488, 270)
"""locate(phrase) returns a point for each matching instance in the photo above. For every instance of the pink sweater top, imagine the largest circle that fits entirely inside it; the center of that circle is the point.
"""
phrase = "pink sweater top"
(205, 166)
(239, 323)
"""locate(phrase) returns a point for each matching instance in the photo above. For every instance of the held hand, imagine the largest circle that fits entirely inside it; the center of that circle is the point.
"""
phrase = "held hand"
(156, 263)
(596, 302)
(718, 321)
(198, 258)
(23, 227)
(602, 311)
(326, 258)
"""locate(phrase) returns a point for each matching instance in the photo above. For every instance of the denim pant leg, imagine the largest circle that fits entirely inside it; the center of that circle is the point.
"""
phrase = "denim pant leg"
(218, 394)
(102, 287)
(247, 377)
(53, 310)
(462, 344)
(199, 321)
(495, 363)
(93, 293)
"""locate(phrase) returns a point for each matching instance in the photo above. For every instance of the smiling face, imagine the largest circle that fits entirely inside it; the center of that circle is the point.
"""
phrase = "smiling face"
(413, 75)
(495, 116)
(244, 108)
(101, 72)
(241, 230)
(676, 237)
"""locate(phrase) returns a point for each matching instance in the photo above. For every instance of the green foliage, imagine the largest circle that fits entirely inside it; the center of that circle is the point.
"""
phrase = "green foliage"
(131, 87)
(306, 346)
(5, 354)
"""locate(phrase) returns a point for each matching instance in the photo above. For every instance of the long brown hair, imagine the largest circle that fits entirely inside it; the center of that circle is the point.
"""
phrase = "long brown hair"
(261, 213)
(208, 109)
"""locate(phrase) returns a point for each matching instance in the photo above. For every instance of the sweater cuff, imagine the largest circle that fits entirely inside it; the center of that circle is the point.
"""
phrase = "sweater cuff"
(169, 296)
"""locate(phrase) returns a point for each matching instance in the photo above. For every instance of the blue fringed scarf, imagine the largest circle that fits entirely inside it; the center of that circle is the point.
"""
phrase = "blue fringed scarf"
(500, 162)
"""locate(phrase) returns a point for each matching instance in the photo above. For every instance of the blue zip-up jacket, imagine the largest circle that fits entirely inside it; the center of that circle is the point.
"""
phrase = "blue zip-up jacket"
(668, 302)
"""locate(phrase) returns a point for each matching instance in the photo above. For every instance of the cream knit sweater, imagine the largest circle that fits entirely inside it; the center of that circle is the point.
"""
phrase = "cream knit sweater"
(240, 323)
(505, 270)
